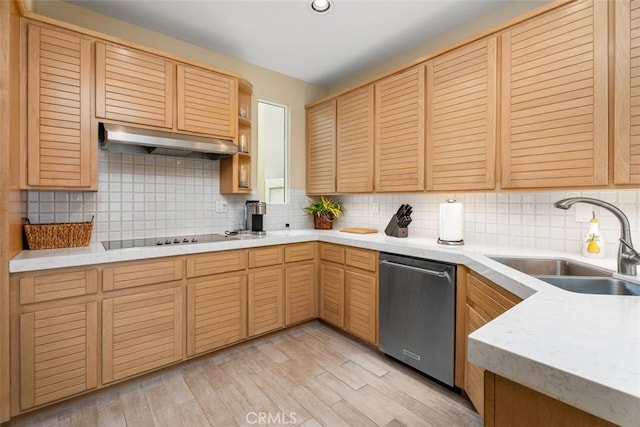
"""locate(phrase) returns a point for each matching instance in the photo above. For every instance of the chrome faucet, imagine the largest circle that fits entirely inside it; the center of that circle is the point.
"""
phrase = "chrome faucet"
(628, 257)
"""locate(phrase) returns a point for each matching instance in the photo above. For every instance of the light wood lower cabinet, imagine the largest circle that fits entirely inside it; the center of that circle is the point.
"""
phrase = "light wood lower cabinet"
(58, 353)
(300, 293)
(332, 294)
(509, 404)
(266, 300)
(216, 312)
(141, 332)
(349, 290)
(484, 302)
(361, 305)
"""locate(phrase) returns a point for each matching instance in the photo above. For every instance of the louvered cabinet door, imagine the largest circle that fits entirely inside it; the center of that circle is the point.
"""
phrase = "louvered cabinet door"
(58, 353)
(133, 86)
(300, 293)
(627, 92)
(355, 141)
(266, 300)
(461, 118)
(207, 102)
(554, 98)
(399, 134)
(361, 305)
(59, 110)
(141, 332)
(321, 148)
(331, 304)
(216, 312)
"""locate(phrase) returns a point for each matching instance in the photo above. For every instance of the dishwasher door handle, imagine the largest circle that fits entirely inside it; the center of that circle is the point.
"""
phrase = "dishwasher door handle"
(440, 274)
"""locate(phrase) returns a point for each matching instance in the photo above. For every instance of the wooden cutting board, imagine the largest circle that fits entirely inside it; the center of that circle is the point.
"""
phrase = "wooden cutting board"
(359, 230)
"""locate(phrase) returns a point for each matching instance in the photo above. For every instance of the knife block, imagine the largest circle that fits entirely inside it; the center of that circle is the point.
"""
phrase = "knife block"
(394, 230)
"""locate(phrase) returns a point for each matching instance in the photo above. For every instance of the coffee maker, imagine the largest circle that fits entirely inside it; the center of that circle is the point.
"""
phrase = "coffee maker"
(253, 212)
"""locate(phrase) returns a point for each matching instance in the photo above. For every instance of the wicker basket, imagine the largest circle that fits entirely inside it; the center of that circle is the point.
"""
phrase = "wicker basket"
(61, 235)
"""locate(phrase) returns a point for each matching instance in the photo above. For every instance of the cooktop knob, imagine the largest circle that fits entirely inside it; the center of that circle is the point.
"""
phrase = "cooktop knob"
(167, 242)
(194, 240)
(159, 243)
(185, 240)
(176, 240)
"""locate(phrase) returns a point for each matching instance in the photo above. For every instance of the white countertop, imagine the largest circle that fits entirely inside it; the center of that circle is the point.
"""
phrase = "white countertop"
(580, 349)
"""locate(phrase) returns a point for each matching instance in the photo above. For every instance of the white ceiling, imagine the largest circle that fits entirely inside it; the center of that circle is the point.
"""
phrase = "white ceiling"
(288, 37)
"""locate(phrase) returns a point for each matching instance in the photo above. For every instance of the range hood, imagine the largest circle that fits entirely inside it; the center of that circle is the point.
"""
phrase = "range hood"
(119, 138)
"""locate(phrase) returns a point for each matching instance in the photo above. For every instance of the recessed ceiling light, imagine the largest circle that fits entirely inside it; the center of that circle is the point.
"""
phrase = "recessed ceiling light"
(320, 5)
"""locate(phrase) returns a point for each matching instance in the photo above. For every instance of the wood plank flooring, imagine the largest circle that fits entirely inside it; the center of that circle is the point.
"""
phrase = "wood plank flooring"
(309, 375)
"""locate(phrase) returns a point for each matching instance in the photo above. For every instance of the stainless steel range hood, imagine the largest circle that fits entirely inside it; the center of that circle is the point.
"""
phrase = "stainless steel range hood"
(129, 139)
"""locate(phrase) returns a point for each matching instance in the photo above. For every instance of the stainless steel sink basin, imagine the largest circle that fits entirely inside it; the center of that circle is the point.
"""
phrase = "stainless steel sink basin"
(551, 267)
(593, 285)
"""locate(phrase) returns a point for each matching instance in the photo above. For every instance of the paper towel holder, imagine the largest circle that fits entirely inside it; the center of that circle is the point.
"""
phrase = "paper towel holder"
(451, 242)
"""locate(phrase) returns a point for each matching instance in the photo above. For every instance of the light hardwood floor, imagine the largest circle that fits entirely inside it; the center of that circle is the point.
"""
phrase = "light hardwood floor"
(309, 375)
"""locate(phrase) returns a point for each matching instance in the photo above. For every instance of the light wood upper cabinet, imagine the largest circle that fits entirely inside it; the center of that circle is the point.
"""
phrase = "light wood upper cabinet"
(399, 134)
(554, 98)
(627, 92)
(354, 142)
(461, 118)
(207, 102)
(60, 149)
(134, 87)
(321, 148)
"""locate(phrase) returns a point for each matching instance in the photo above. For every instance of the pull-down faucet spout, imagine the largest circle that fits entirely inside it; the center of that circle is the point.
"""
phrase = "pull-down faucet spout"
(628, 257)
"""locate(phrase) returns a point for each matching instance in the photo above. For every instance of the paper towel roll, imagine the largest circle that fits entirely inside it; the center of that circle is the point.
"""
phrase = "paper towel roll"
(451, 217)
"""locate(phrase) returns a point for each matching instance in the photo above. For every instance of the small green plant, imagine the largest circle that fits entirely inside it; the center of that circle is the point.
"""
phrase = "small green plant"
(325, 206)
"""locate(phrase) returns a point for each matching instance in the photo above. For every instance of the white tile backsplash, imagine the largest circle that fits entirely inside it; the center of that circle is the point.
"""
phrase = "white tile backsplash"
(153, 196)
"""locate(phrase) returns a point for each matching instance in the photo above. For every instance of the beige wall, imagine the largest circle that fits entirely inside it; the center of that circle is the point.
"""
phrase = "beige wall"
(509, 11)
(267, 84)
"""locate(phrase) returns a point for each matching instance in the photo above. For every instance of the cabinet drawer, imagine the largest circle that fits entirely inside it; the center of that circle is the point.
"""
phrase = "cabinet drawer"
(130, 275)
(263, 257)
(216, 263)
(56, 286)
(299, 252)
(362, 258)
(331, 252)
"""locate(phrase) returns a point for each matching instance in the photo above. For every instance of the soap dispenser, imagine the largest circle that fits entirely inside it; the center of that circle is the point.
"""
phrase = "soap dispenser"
(593, 245)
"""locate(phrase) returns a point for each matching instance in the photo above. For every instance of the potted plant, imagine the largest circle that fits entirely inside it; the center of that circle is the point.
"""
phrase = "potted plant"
(324, 211)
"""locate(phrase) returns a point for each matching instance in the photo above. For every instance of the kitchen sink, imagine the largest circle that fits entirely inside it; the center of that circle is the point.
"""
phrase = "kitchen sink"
(551, 267)
(593, 285)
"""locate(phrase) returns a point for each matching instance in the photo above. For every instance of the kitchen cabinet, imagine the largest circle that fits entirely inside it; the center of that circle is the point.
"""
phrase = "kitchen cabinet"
(216, 300)
(555, 97)
(299, 283)
(265, 290)
(462, 117)
(216, 312)
(484, 302)
(134, 86)
(399, 132)
(61, 148)
(206, 102)
(354, 143)
(321, 148)
(235, 171)
(141, 332)
(626, 100)
(508, 404)
(55, 334)
(349, 290)
(142, 317)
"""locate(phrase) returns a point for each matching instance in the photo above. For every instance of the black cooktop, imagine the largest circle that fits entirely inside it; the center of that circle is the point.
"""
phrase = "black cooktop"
(166, 241)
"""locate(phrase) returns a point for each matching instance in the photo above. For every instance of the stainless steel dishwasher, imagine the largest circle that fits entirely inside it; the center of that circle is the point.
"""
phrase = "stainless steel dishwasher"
(417, 313)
